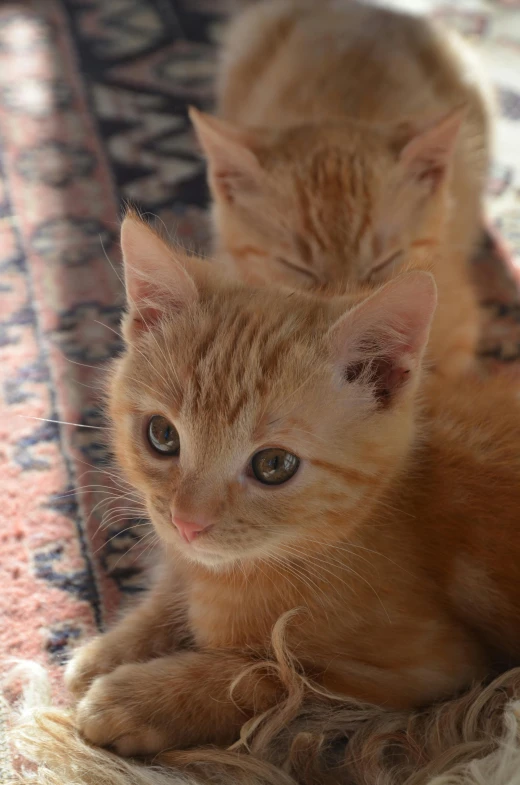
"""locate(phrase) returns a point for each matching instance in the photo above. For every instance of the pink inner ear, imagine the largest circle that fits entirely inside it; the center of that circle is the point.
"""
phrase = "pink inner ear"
(229, 181)
(428, 154)
(145, 318)
(143, 302)
(233, 177)
(384, 374)
(381, 341)
(233, 166)
(156, 278)
(432, 174)
(428, 171)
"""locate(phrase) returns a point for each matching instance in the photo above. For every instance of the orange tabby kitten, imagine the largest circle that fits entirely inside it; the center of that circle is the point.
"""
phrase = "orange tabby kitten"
(343, 145)
(285, 460)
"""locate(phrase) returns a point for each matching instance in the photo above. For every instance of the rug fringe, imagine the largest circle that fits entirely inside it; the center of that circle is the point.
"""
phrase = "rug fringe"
(473, 740)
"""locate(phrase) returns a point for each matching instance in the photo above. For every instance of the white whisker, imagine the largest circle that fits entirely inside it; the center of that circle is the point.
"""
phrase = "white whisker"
(119, 534)
(61, 422)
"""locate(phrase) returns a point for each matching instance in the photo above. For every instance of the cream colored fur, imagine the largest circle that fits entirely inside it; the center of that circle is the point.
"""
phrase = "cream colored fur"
(470, 741)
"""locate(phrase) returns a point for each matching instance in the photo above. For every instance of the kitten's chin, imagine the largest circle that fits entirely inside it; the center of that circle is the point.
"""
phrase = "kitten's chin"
(195, 553)
(210, 559)
(207, 555)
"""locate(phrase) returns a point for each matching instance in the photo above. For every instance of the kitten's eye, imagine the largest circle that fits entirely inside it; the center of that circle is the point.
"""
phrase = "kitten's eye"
(393, 259)
(163, 436)
(307, 274)
(274, 466)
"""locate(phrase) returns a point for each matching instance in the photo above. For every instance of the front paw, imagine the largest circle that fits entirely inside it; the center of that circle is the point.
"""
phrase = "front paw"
(96, 658)
(114, 714)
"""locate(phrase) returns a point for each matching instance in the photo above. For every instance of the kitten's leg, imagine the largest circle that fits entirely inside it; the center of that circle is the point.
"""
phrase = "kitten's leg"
(179, 701)
(155, 627)
(184, 700)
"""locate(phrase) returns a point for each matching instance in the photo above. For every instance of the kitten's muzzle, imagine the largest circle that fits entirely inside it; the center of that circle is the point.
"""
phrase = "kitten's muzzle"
(189, 530)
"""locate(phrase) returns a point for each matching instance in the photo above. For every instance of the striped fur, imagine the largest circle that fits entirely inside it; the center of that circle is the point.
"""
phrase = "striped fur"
(391, 553)
(336, 160)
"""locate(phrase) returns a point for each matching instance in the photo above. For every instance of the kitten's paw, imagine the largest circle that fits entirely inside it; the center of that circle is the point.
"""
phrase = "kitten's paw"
(114, 714)
(94, 659)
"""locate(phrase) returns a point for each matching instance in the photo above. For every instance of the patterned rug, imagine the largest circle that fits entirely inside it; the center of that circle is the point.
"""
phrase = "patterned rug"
(93, 97)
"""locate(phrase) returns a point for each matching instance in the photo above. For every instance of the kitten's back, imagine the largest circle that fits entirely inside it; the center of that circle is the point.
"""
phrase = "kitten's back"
(466, 491)
(291, 61)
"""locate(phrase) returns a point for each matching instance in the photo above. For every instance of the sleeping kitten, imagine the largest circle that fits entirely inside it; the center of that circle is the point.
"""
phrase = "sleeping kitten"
(285, 460)
(350, 135)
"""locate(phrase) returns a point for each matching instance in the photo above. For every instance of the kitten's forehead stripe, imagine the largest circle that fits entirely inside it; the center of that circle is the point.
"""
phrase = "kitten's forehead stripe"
(246, 347)
(346, 201)
(365, 222)
(349, 475)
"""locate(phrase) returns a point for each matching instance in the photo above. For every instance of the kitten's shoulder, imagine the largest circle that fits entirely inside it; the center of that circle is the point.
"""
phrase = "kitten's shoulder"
(483, 412)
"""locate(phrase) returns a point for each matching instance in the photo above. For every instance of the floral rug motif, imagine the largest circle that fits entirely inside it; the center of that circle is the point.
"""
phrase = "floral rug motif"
(93, 98)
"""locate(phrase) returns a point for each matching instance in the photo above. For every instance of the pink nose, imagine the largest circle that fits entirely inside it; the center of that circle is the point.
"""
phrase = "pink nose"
(189, 529)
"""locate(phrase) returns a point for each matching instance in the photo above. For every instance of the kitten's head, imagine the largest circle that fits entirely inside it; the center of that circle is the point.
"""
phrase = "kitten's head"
(315, 205)
(256, 420)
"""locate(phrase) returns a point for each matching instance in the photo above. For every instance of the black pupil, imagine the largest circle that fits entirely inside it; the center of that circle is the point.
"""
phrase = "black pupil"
(274, 466)
(163, 436)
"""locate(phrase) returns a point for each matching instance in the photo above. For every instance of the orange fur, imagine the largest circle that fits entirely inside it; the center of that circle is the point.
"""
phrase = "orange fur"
(396, 536)
(343, 154)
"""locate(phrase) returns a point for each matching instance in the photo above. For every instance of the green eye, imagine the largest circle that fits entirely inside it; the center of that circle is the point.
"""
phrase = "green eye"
(274, 466)
(163, 436)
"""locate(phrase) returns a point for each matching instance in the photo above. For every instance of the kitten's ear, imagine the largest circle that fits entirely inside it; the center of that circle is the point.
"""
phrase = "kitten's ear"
(380, 343)
(233, 167)
(156, 279)
(426, 156)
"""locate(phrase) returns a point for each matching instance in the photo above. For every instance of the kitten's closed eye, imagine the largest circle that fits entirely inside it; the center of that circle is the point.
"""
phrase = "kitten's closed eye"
(274, 466)
(163, 436)
(310, 277)
(392, 260)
